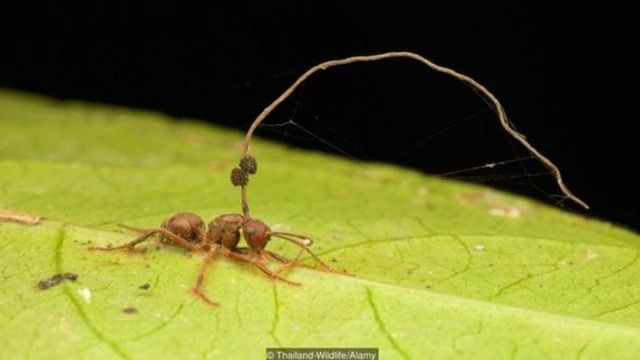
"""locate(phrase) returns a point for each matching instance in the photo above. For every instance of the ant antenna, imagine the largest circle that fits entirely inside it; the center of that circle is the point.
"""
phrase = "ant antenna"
(483, 91)
(303, 242)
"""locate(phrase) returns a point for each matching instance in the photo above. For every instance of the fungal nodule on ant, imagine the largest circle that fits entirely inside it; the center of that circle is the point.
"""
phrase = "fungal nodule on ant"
(222, 236)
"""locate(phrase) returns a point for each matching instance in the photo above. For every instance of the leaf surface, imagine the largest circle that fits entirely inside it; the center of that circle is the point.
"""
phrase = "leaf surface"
(441, 269)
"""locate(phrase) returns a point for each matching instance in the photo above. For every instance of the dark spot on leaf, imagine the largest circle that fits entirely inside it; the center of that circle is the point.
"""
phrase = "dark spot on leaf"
(129, 310)
(144, 286)
(55, 280)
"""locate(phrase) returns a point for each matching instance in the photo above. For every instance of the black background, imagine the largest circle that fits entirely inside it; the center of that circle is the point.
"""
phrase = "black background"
(560, 73)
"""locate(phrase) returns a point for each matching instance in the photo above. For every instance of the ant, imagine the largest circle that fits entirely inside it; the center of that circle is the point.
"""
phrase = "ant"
(187, 230)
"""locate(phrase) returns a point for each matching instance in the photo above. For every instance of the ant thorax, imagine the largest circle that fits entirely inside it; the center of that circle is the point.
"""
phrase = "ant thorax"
(225, 230)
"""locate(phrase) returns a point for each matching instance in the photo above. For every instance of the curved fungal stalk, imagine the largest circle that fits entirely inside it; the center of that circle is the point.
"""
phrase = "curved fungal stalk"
(483, 91)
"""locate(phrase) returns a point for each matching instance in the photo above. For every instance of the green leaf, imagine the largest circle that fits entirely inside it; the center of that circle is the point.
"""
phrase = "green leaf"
(442, 269)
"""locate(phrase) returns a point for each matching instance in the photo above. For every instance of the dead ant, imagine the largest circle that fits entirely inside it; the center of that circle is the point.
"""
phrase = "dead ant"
(223, 234)
(188, 231)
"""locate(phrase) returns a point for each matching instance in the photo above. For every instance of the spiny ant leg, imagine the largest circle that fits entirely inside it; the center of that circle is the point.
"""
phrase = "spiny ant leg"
(264, 269)
(202, 277)
(304, 243)
(130, 245)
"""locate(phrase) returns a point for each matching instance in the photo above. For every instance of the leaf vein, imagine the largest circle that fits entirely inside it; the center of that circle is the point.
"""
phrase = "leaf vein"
(276, 315)
(76, 304)
(382, 326)
(599, 280)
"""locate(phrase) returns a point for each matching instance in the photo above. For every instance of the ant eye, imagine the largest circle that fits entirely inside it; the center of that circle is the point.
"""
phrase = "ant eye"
(239, 177)
(249, 164)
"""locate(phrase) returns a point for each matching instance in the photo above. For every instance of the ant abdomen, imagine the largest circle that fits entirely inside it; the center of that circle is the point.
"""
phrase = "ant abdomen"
(225, 230)
(188, 226)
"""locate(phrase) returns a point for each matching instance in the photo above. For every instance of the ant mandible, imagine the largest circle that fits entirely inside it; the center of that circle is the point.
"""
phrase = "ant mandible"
(187, 230)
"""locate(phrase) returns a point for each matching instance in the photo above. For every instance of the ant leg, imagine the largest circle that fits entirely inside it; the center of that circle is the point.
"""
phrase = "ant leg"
(241, 250)
(273, 255)
(288, 263)
(202, 277)
(304, 243)
(131, 228)
(264, 269)
(130, 245)
(178, 240)
(278, 257)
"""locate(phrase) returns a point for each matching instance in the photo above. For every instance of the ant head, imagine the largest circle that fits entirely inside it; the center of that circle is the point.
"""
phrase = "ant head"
(256, 233)
(225, 230)
(188, 226)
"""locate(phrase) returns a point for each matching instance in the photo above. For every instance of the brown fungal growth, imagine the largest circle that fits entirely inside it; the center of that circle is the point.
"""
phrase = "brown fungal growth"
(249, 165)
(480, 89)
(222, 236)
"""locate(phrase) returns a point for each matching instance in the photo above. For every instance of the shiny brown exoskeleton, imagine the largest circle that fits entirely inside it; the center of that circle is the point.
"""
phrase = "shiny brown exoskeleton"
(188, 231)
(222, 235)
